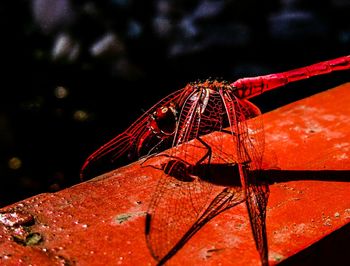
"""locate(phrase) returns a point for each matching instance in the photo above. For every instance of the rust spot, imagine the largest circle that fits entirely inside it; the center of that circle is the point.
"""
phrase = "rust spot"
(31, 239)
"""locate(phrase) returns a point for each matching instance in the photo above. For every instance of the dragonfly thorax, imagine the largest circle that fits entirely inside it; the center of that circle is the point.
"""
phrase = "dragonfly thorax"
(213, 85)
(206, 91)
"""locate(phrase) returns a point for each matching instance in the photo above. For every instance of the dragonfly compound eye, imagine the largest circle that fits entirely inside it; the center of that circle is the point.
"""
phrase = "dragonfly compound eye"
(163, 120)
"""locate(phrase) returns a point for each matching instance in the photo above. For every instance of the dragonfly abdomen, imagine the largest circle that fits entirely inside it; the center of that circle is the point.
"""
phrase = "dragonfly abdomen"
(246, 88)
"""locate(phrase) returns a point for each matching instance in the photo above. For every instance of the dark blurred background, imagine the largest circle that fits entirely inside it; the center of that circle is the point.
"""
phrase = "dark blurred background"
(76, 73)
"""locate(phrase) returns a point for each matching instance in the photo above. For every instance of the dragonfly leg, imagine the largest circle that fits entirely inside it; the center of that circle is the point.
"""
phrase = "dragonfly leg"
(228, 132)
(173, 158)
(151, 153)
(154, 148)
(207, 154)
(178, 167)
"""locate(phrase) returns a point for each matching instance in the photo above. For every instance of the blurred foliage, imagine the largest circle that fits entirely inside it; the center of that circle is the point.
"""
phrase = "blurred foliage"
(76, 73)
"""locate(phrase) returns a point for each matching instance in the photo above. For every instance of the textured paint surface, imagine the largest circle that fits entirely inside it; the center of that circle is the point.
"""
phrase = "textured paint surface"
(101, 222)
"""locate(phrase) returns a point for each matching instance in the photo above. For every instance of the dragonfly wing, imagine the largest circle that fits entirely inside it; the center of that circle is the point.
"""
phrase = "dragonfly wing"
(249, 138)
(256, 187)
(176, 203)
(165, 244)
(134, 142)
(257, 196)
(121, 147)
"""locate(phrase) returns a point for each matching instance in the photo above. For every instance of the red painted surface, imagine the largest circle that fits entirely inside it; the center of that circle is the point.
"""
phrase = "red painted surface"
(101, 222)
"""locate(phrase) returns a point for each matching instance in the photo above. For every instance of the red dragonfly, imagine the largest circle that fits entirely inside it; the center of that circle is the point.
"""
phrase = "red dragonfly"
(182, 202)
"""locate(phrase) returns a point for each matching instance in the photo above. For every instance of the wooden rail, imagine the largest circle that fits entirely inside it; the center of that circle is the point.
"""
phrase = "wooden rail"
(101, 221)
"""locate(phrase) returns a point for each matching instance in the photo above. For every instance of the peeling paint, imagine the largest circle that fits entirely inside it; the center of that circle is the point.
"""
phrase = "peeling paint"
(126, 217)
(329, 117)
(340, 157)
(343, 145)
(15, 218)
(282, 136)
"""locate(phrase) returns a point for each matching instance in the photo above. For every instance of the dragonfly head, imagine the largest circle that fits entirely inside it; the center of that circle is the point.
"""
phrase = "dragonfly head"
(163, 121)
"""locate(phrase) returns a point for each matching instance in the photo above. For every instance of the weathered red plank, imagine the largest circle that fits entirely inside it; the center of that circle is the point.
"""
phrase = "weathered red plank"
(101, 222)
